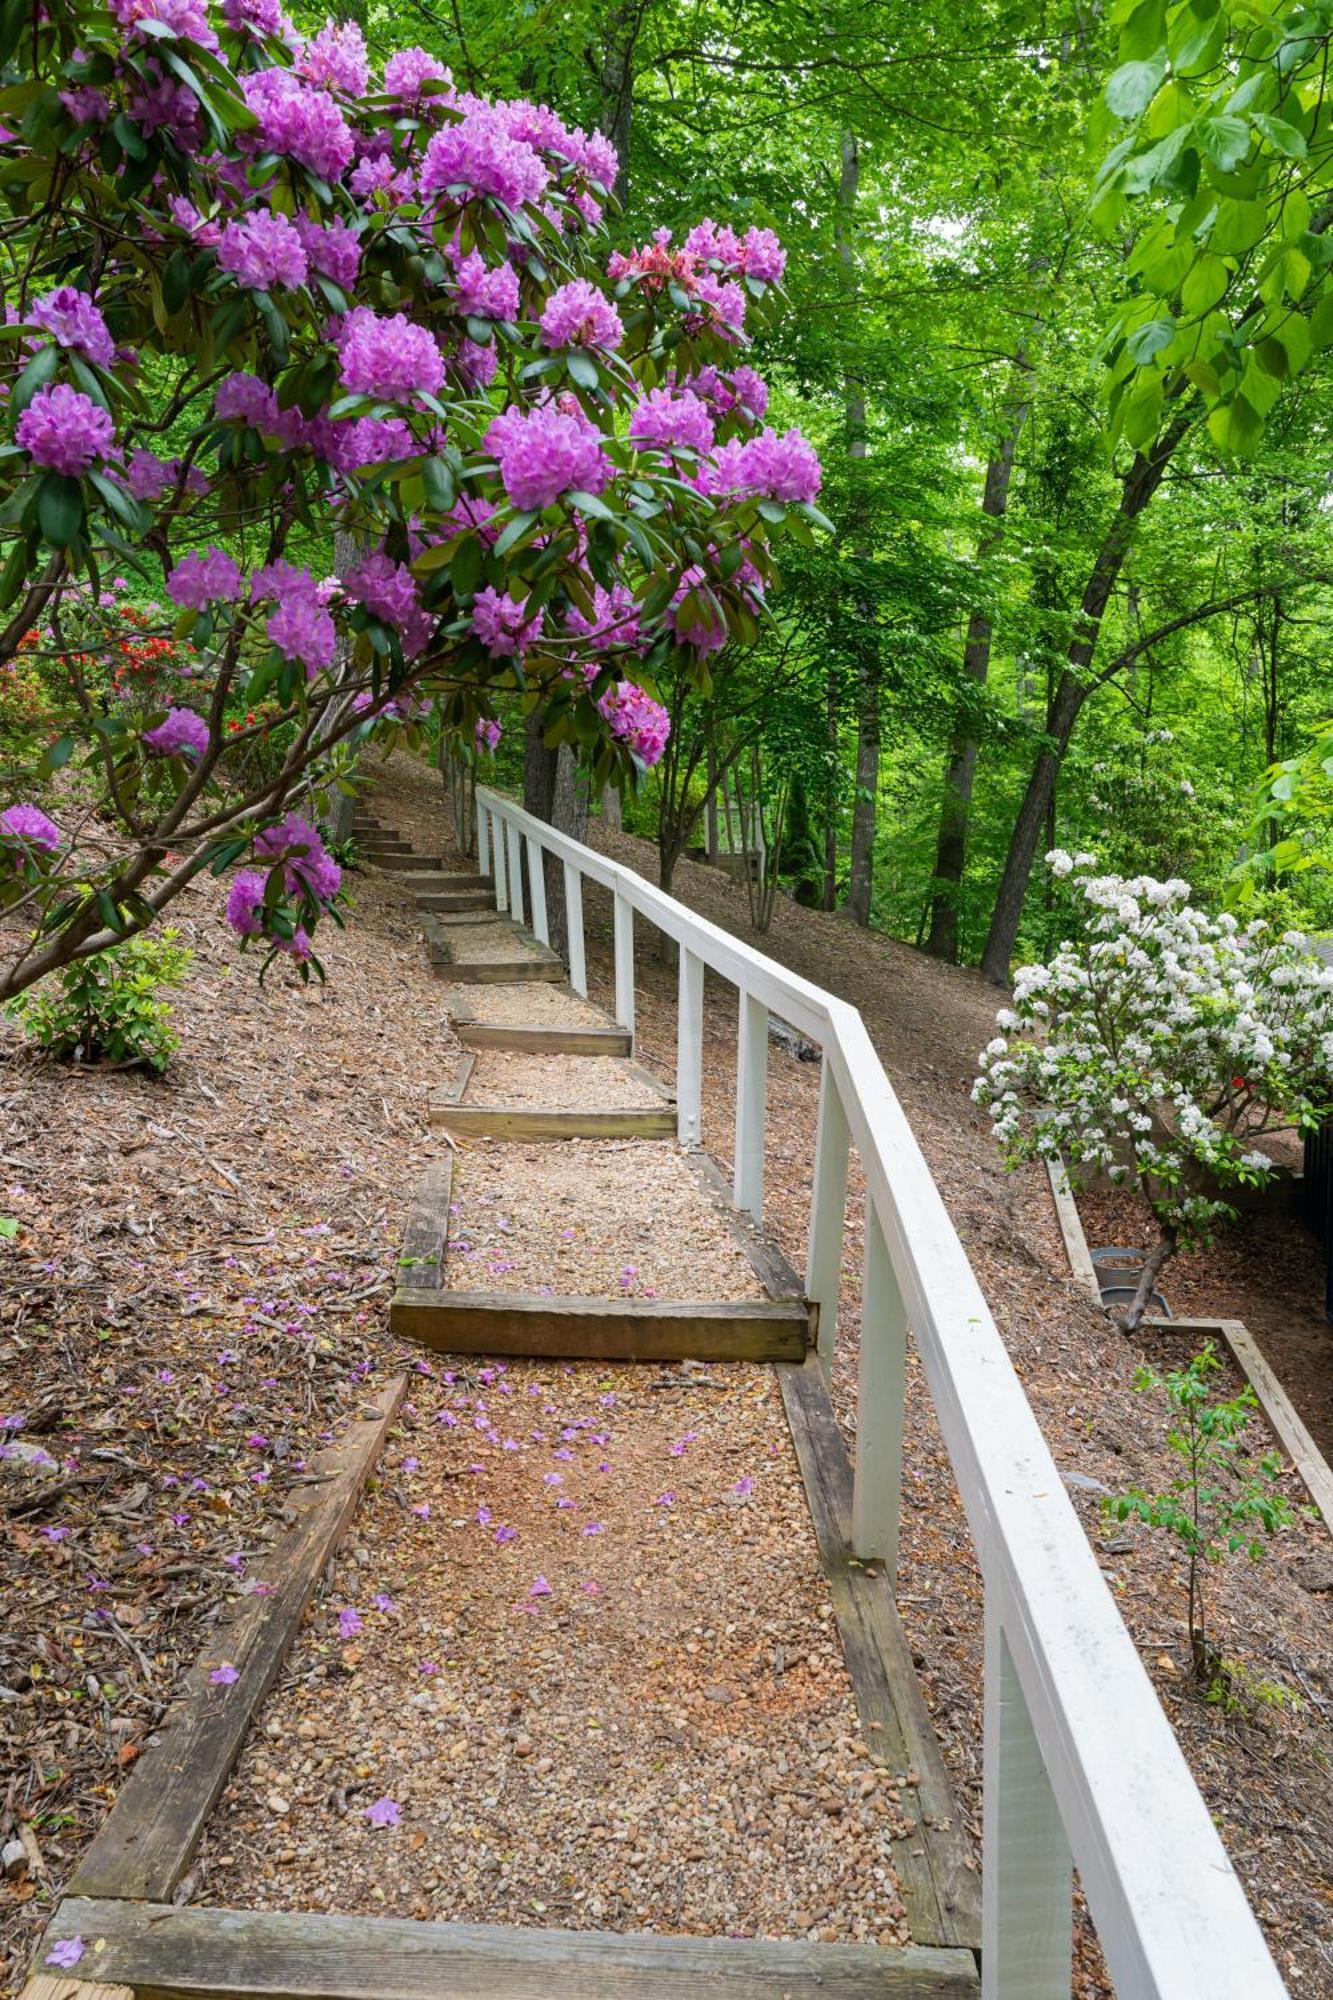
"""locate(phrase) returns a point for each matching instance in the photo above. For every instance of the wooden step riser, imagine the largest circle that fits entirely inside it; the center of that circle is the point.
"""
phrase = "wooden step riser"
(501, 972)
(196, 1953)
(499, 1121)
(571, 1329)
(406, 863)
(539, 1040)
(448, 902)
(439, 881)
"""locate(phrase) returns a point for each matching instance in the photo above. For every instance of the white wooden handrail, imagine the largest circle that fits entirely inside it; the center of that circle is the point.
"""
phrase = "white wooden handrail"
(1082, 1768)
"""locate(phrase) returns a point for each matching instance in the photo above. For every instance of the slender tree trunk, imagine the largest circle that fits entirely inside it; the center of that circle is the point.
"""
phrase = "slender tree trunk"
(960, 775)
(829, 899)
(617, 86)
(1075, 684)
(859, 627)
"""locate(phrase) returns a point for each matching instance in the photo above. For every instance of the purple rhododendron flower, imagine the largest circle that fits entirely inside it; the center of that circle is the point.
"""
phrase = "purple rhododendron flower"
(670, 417)
(548, 451)
(186, 18)
(264, 250)
(332, 248)
(487, 292)
(337, 58)
(245, 903)
(66, 1953)
(200, 580)
(384, 1812)
(642, 724)
(578, 315)
(349, 1622)
(406, 71)
(181, 734)
(256, 17)
(30, 827)
(501, 624)
(388, 357)
(65, 430)
(297, 119)
(615, 621)
(224, 1676)
(306, 863)
(479, 156)
(73, 321)
(300, 627)
(488, 734)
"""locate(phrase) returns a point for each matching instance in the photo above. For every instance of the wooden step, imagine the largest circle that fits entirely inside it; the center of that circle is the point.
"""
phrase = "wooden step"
(601, 1329)
(431, 881)
(404, 862)
(496, 972)
(193, 1953)
(523, 1122)
(449, 900)
(541, 1040)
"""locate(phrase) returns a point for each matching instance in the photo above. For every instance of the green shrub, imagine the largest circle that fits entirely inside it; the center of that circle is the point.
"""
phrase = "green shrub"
(106, 1008)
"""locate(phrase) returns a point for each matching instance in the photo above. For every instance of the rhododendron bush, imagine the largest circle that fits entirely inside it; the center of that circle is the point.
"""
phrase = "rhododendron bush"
(256, 296)
(1158, 1048)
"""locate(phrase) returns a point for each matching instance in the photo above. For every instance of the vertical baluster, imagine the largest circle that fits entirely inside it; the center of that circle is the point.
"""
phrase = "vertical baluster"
(483, 839)
(515, 843)
(690, 1050)
(537, 891)
(823, 1264)
(1026, 1874)
(877, 1491)
(578, 964)
(501, 872)
(751, 1101)
(624, 963)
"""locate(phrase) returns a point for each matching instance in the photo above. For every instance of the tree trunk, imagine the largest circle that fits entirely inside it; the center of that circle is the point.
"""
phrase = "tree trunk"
(860, 627)
(1075, 684)
(612, 808)
(617, 87)
(955, 811)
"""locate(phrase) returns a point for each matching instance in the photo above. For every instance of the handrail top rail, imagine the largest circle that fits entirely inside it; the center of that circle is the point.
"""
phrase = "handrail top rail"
(1171, 1913)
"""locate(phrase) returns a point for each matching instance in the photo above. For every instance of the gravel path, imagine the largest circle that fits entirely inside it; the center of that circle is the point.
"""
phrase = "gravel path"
(536, 1003)
(590, 1219)
(596, 1678)
(560, 1082)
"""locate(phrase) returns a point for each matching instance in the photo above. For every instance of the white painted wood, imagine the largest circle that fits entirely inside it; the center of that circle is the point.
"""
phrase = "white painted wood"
(1170, 1913)
(498, 857)
(624, 941)
(1027, 1875)
(828, 1214)
(513, 842)
(878, 1476)
(483, 839)
(1071, 1229)
(537, 892)
(690, 1051)
(751, 1104)
(578, 964)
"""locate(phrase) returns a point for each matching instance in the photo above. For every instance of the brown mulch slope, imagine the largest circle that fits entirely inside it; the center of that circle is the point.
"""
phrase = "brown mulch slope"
(195, 1298)
(1263, 1772)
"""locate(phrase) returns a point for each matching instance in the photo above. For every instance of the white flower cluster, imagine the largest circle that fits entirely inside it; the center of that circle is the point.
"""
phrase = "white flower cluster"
(1160, 1045)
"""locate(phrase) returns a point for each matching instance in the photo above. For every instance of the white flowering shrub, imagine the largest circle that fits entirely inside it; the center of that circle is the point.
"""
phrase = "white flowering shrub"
(1158, 1048)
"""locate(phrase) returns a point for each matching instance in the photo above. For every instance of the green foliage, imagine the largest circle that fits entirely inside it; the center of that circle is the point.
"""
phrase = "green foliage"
(106, 1008)
(1220, 1503)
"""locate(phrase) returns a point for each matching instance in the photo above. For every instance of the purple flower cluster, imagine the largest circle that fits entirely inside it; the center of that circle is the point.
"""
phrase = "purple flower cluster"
(615, 619)
(300, 627)
(546, 452)
(409, 69)
(87, 105)
(200, 580)
(704, 637)
(636, 720)
(757, 254)
(479, 157)
(65, 430)
(389, 358)
(73, 321)
(149, 477)
(307, 868)
(336, 59)
(256, 17)
(487, 293)
(577, 315)
(487, 733)
(767, 467)
(186, 18)
(345, 445)
(672, 417)
(300, 121)
(334, 249)
(245, 913)
(28, 827)
(500, 624)
(264, 250)
(738, 389)
(389, 591)
(181, 734)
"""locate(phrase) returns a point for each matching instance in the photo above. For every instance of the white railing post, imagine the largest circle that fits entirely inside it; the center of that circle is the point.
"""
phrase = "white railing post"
(751, 1102)
(515, 844)
(624, 919)
(501, 872)
(823, 1263)
(690, 1050)
(483, 840)
(578, 964)
(537, 891)
(878, 1482)
(1027, 1883)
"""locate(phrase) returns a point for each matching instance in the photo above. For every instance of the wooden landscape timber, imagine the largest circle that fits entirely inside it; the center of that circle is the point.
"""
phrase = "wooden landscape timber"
(1283, 1419)
(537, 1038)
(527, 1122)
(42, 1986)
(938, 1877)
(147, 1841)
(573, 1329)
(163, 1953)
